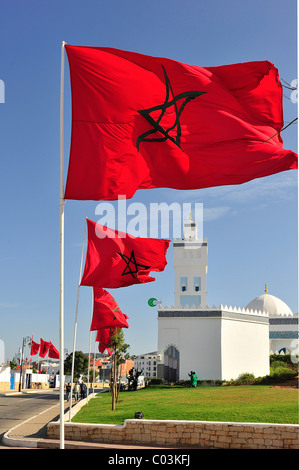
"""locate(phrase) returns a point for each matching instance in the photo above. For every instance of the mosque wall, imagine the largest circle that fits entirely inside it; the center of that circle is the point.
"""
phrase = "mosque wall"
(198, 343)
(245, 348)
(217, 344)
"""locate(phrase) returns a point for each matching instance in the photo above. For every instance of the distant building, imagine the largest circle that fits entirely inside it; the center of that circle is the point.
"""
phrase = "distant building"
(124, 369)
(147, 363)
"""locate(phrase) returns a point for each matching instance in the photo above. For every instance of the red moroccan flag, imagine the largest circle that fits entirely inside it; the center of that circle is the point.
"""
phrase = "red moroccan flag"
(53, 352)
(116, 259)
(34, 348)
(44, 347)
(149, 122)
(104, 336)
(106, 312)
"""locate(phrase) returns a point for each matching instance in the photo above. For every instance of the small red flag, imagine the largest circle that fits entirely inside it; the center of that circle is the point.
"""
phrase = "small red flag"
(116, 259)
(44, 347)
(142, 122)
(34, 348)
(106, 312)
(53, 352)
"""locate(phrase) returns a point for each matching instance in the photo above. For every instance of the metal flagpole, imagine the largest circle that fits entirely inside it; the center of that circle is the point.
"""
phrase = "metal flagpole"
(94, 364)
(61, 243)
(76, 321)
(89, 344)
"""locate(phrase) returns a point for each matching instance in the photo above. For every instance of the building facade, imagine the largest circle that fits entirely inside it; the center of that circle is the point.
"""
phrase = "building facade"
(217, 343)
(147, 363)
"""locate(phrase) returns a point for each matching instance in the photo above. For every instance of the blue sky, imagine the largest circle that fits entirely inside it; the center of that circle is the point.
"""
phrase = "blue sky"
(252, 229)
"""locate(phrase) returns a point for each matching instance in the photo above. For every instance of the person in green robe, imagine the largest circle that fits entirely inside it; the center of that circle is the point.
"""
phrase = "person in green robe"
(193, 379)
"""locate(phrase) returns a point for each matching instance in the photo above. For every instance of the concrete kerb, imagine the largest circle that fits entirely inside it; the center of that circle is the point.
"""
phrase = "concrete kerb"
(13, 442)
(8, 393)
(33, 443)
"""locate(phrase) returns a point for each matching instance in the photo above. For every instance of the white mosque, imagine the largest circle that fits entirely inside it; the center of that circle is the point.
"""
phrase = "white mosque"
(218, 343)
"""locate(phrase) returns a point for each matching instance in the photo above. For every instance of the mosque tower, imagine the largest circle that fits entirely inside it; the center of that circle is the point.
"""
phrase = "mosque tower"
(190, 256)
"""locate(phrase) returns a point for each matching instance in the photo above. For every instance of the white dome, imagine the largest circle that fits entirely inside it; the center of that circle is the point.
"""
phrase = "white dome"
(271, 304)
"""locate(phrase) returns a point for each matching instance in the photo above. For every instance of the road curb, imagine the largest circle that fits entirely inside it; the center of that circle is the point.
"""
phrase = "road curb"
(13, 442)
(33, 443)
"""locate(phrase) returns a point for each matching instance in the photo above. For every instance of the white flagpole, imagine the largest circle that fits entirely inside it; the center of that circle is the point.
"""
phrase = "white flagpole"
(61, 277)
(76, 321)
(94, 364)
(89, 344)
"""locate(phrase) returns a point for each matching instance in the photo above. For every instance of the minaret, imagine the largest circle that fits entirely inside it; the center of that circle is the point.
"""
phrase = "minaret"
(190, 257)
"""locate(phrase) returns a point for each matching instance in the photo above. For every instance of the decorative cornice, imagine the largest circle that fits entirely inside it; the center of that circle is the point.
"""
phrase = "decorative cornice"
(218, 313)
(283, 335)
(197, 311)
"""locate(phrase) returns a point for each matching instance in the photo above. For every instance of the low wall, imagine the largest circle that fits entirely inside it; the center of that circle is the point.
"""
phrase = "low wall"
(184, 434)
(4, 385)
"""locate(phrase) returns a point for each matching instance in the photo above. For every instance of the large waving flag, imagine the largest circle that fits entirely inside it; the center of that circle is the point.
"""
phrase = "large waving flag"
(106, 312)
(116, 259)
(149, 122)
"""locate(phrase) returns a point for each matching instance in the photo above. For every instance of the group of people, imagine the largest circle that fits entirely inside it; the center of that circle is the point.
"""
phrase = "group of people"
(78, 389)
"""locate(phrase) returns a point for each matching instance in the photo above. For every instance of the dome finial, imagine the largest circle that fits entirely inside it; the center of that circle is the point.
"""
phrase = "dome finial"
(266, 289)
(190, 216)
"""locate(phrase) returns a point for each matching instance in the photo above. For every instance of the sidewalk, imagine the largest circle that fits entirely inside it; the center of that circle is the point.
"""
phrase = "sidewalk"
(32, 433)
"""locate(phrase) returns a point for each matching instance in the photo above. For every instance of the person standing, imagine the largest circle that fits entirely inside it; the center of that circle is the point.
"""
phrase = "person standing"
(83, 390)
(68, 391)
(76, 391)
(193, 379)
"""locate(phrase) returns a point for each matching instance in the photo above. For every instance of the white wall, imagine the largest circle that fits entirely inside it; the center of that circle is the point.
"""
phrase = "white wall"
(217, 348)
(4, 374)
(198, 341)
(40, 378)
(277, 344)
(245, 348)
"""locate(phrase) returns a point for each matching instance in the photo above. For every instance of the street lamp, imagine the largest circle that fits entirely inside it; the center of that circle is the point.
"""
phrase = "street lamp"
(25, 341)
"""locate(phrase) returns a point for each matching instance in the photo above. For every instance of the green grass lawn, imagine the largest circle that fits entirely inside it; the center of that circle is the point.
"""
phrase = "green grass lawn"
(256, 404)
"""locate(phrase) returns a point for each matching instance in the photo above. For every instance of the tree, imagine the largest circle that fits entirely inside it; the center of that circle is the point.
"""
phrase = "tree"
(133, 378)
(80, 364)
(119, 356)
(13, 364)
(93, 374)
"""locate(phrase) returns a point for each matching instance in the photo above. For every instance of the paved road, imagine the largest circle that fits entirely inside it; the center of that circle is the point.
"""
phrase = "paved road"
(15, 409)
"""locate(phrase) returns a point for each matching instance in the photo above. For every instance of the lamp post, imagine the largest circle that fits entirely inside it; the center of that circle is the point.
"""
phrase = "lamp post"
(25, 341)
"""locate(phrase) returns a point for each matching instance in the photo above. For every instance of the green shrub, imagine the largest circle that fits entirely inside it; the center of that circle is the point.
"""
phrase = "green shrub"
(276, 364)
(156, 381)
(245, 378)
(184, 383)
(277, 374)
(282, 373)
(285, 358)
